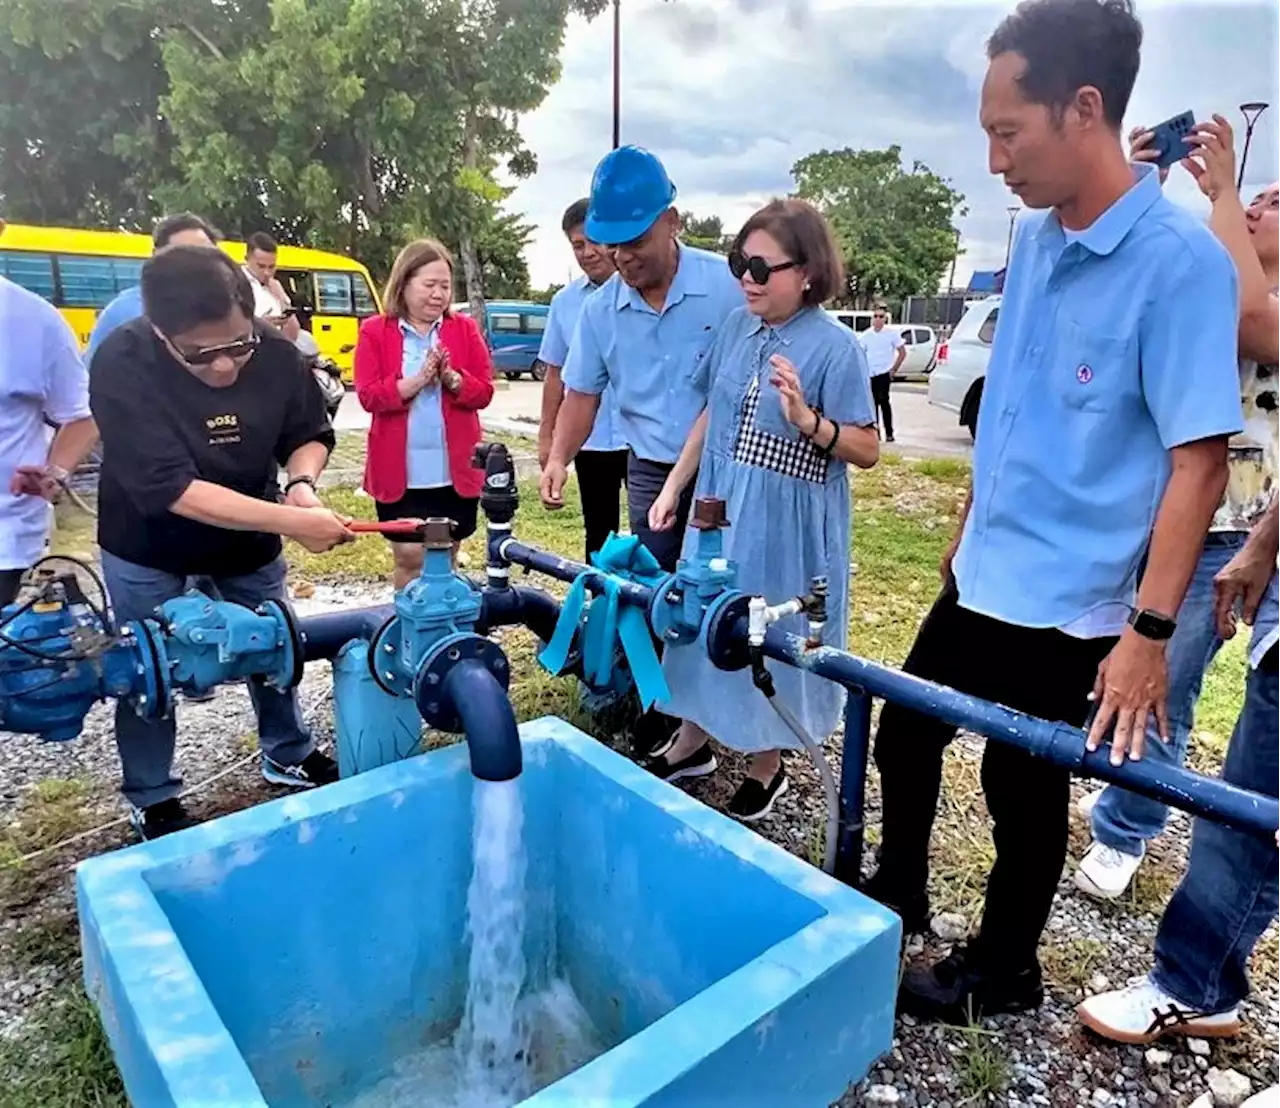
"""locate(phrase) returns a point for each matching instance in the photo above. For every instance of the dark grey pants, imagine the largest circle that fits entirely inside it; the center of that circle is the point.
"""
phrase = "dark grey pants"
(644, 481)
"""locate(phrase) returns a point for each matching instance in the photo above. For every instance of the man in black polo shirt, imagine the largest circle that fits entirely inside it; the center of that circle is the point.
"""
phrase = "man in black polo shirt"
(197, 404)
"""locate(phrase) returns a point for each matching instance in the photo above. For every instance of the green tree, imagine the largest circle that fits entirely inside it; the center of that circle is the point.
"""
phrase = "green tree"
(350, 123)
(545, 296)
(894, 225)
(706, 233)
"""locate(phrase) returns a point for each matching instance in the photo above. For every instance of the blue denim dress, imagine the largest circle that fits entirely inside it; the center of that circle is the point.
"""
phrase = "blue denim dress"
(789, 513)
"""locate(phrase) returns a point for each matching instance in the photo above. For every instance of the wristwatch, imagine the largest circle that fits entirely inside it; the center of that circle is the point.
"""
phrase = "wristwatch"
(1152, 625)
(304, 479)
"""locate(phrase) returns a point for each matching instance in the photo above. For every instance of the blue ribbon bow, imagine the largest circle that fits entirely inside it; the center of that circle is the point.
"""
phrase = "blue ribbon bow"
(610, 625)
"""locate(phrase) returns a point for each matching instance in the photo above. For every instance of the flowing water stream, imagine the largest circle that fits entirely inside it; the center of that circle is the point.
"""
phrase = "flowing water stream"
(511, 1041)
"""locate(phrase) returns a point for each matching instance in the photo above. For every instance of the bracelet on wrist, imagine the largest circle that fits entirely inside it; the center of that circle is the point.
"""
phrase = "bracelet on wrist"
(303, 479)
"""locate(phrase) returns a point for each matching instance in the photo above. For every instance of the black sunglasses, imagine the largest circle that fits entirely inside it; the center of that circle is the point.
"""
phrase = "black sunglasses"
(760, 270)
(207, 355)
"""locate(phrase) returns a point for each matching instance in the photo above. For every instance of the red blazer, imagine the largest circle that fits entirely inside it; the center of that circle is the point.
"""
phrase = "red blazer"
(378, 361)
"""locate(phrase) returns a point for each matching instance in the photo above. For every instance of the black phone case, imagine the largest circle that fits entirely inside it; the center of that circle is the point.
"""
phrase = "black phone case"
(1169, 137)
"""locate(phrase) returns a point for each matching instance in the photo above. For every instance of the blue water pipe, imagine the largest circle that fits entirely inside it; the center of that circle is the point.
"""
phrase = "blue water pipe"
(722, 630)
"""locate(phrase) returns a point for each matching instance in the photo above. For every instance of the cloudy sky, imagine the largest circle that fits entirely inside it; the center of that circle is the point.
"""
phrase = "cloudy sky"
(730, 93)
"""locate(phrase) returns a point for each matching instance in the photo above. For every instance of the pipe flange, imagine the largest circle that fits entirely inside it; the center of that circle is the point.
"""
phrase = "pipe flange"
(291, 663)
(155, 700)
(665, 611)
(384, 662)
(726, 648)
(428, 682)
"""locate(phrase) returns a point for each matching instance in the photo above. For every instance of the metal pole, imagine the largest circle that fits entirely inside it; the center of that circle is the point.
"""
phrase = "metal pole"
(1008, 246)
(1251, 111)
(853, 787)
(617, 73)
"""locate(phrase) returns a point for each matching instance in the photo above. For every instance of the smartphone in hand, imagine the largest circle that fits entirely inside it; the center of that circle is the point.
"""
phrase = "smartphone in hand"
(1169, 139)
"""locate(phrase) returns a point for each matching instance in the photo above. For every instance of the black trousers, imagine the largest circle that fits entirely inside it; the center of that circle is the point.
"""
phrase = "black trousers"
(1042, 672)
(602, 475)
(644, 481)
(880, 395)
(10, 579)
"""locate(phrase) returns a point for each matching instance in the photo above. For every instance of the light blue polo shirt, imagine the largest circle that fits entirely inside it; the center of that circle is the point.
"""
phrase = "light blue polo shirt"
(651, 358)
(427, 460)
(562, 319)
(1111, 350)
(125, 308)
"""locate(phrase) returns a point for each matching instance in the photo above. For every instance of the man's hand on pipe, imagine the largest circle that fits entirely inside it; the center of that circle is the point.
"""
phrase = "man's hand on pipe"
(1132, 685)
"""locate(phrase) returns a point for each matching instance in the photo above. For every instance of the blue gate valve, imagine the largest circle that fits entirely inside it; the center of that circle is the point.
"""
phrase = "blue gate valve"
(681, 604)
(437, 605)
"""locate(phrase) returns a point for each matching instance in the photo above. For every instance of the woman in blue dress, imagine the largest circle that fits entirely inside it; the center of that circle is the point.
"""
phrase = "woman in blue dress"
(789, 407)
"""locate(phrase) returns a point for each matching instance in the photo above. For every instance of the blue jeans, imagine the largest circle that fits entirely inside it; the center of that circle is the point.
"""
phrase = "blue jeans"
(146, 746)
(1228, 894)
(1126, 821)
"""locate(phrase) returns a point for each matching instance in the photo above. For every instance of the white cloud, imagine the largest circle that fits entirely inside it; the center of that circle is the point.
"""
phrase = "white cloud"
(730, 93)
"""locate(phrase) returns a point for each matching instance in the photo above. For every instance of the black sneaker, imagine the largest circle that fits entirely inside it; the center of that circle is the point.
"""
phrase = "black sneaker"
(958, 990)
(913, 907)
(698, 764)
(754, 799)
(200, 697)
(315, 769)
(160, 819)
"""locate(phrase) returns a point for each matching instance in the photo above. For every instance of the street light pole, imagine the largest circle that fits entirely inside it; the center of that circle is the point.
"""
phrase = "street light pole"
(617, 72)
(1251, 111)
(1008, 246)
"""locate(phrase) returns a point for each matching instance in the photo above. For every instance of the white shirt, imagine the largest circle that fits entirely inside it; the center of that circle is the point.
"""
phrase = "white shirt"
(41, 375)
(264, 300)
(881, 347)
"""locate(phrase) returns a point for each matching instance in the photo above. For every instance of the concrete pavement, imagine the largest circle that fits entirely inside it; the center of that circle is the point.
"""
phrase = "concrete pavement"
(921, 430)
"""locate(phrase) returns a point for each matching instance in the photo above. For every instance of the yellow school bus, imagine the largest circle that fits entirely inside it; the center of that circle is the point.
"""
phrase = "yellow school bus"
(80, 272)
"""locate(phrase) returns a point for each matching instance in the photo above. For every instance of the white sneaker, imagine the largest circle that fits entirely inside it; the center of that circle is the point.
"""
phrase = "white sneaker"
(1086, 804)
(1106, 872)
(1143, 1013)
(1268, 1098)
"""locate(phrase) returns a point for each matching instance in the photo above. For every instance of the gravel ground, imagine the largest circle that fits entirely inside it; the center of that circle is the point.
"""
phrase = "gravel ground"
(1039, 1059)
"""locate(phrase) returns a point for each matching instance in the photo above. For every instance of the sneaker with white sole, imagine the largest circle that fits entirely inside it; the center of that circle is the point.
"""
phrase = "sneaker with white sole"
(315, 769)
(754, 799)
(1143, 1013)
(1268, 1098)
(1087, 803)
(1106, 872)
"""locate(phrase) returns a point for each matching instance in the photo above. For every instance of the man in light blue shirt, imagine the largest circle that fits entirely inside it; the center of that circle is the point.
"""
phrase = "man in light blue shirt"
(601, 464)
(175, 230)
(1110, 394)
(645, 333)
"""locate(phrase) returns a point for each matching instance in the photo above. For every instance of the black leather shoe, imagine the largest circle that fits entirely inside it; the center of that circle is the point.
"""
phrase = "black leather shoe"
(958, 990)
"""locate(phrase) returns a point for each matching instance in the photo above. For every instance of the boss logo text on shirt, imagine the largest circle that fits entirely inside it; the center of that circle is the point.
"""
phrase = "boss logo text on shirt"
(223, 429)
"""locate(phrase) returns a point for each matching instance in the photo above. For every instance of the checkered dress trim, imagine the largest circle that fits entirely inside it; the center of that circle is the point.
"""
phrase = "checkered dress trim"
(799, 459)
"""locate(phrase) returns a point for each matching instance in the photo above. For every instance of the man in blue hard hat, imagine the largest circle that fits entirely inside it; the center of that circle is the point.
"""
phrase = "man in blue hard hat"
(644, 333)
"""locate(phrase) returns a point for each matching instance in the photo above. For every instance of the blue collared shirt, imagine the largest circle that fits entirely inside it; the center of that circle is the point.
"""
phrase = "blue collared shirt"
(562, 318)
(1111, 350)
(651, 358)
(427, 461)
(125, 308)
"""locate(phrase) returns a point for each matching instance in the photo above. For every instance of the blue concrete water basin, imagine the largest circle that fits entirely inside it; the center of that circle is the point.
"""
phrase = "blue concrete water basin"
(289, 955)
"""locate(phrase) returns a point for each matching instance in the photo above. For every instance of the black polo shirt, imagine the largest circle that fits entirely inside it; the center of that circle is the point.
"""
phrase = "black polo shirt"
(162, 428)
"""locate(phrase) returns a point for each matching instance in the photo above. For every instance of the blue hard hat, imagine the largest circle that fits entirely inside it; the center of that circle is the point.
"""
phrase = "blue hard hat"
(629, 190)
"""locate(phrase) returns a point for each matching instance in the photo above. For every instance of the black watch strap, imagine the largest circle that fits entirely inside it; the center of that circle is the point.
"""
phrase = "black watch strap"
(303, 480)
(1152, 625)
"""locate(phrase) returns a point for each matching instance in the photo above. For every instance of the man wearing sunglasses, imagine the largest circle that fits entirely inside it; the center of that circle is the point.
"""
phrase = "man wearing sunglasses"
(197, 404)
(885, 354)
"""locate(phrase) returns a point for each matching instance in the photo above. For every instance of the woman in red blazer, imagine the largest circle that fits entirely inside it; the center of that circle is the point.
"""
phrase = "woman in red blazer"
(424, 374)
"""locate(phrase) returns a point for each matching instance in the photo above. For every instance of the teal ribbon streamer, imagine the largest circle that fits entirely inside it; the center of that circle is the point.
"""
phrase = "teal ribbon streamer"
(611, 626)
